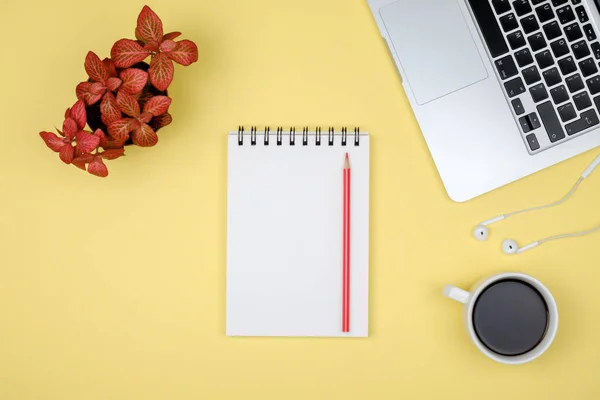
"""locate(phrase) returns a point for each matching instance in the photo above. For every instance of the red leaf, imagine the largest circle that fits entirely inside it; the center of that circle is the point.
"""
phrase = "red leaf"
(78, 113)
(144, 136)
(171, 35)
(112, 154)
(127, 104)
(101, 137)
(97, 88)
(134, 80)
(161, 71)
(114, 144)
(161, 121)
(78, 164)
(70, 128)
(84, 159)
(120, 129)
(52, 141)
(149, 26)
(127, 52)
(167, 46)
(145, 117)
(83, 93)
(109, 109)
(135, 124)
(152, 46)
(138, 37)
(68, 113)
(66, 153)
(113, 83)
(86, 142)
(185, 53)
(95, 68)
(157, 105)
(110, 66)
(98, 168)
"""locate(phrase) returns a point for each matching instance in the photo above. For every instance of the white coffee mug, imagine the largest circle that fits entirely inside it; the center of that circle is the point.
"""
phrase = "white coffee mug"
(469, 299)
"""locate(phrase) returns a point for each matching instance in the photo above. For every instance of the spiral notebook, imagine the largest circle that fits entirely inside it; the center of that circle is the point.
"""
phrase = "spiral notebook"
(284, 232)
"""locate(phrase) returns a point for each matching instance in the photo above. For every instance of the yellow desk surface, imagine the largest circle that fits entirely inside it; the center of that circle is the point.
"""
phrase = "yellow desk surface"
(115, 288)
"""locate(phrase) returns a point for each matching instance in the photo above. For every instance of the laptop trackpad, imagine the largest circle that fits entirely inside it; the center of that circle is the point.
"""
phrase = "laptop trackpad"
(434, 45)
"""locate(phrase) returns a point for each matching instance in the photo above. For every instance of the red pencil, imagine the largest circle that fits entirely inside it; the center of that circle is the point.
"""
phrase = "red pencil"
(346, 246)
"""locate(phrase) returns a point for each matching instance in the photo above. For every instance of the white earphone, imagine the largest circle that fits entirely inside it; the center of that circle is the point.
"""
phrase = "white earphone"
(510, 246)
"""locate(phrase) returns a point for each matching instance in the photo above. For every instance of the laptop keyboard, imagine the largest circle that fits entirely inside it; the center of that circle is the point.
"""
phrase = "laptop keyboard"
(547, 56)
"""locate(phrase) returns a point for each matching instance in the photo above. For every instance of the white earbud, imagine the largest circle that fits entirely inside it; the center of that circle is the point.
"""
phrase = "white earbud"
(509, 246)
(481, 231)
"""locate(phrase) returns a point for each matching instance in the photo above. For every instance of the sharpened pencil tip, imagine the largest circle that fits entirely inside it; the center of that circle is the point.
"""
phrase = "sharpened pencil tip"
(346, 162)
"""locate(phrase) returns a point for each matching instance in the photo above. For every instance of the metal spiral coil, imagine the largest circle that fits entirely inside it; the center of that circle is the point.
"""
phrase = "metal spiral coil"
(292, 136)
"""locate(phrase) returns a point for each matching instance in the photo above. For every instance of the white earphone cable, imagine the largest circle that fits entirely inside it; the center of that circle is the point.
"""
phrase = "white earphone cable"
(569, 235)
(556, 203)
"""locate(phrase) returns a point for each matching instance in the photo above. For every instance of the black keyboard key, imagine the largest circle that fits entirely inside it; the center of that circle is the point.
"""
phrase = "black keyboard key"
(516, 40)
(501, 6)
(506, 67)
(509, 22)
(567, 112)
(514, 87)
(575, 2)
(596, 50)
(544, 59)
(580, 50)
(552, 77)
(557, 3)
(574, 83)
(534, 121)
(588, 67)
(531, 75)
(524, 123)
(565, 14)
(559, 94)
(533, 142)
(589, 32)
(523, 57)
(529, 122)
(530, 24)
(536, 2)
(582, 14)
(537, 41)
(559, 48)
(567, 65)
(538, 92)
(551, 122)
(522, 7)
(552, 30)
(544, 13)
(597, 102)
(494, 38)
(573, 32)
(594, 85)
(518, 106)
(586, 120)
(582, 101)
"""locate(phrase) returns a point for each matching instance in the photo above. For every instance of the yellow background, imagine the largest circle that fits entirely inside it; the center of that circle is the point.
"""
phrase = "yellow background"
(114, 288)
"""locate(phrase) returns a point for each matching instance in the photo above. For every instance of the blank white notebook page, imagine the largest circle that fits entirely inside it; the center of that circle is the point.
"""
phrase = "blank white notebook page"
(284, 236)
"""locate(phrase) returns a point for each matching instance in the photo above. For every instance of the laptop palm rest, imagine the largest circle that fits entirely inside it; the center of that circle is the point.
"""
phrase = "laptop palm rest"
(434, 46)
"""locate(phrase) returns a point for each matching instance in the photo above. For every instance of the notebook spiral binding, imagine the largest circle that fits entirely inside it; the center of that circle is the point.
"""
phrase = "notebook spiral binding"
(292, 136)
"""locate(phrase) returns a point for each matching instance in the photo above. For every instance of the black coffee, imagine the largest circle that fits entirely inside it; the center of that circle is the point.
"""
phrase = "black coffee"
(510, 317)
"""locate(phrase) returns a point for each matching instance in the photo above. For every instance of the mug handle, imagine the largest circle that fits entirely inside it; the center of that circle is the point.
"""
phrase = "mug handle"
(455, 293)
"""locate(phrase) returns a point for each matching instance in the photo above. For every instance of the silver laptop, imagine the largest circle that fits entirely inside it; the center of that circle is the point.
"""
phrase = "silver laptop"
(500, 88)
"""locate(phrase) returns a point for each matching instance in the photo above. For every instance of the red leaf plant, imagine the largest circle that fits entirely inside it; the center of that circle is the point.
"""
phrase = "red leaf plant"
(124, 100)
